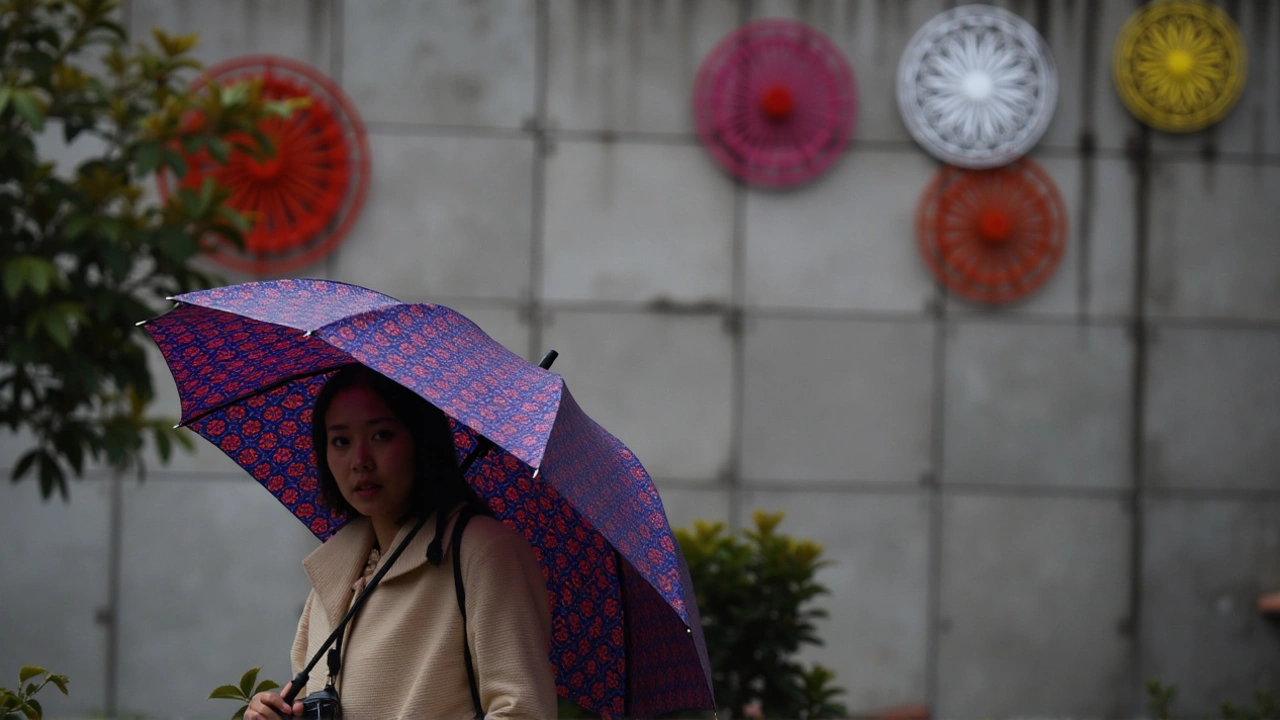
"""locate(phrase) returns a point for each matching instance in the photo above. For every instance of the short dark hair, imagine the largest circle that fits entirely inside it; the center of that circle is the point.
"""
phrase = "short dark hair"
(438, 482)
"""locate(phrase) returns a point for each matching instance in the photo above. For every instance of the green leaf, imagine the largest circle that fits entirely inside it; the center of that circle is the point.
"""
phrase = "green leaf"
(220, 150)
(114, 29)
(173, 160)
(15, 278)
(227, 692)
(206, 196)
(177, 243)
(26, 105)
(56, 327)
(265, 146)
(24, 465)
(30, 671)
(78, 224)
(238, 220)
(51, 477)
(147, 156)
(163, 444)
(240, 713)
(5, 95)
(247, 680)
(183, 436)
(264, 686)
(37, 278)
(35, 704)
(60, 681)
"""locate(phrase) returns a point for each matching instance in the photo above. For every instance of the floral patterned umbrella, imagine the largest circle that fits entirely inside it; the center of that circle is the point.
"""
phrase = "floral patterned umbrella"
(249, 360)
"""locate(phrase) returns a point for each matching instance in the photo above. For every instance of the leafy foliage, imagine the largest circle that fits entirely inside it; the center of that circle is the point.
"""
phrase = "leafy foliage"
(243, 692)
(82, 259)
(755, 596)
(19, 704)
(1160, 699)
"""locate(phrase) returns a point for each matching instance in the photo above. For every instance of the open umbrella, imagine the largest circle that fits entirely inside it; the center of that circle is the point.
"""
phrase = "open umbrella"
(249, 360)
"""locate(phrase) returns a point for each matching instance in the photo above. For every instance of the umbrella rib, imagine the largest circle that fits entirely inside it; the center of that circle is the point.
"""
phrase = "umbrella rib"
(259, 391)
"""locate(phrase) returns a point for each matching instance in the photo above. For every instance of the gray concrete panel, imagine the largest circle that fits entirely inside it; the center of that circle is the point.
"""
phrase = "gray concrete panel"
(686, 505)
(637, 223)
(1034, 595)
(298, 29)
(1114, 127)
(872, 36)
(54, 560)
(875, 635)
(445, 217)
(1110, 236)
(447, 62)
(1253, 125)
(837, 400)
(847, 241)
(1213, 249)
(1037, 405)
(661, 383)
(1205, 562)
(1095, 275)
(211, 586)
(629, 65)
(508, 325)
(1211, 418)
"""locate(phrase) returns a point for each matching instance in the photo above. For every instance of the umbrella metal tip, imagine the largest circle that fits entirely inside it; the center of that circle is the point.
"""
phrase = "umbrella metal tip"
(140, 323)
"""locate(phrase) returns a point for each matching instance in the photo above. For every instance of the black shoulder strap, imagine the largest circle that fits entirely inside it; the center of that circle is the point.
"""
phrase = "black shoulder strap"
(455, 544)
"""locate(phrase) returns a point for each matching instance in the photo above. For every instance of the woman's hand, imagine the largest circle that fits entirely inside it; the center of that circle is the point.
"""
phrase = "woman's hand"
(270, 705)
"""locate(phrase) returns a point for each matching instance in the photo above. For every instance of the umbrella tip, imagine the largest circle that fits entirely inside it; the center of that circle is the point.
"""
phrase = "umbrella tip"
(140, 323)
(307, 333)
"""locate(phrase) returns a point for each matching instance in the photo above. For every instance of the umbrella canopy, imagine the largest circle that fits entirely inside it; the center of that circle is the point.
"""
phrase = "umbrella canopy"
(249, 360)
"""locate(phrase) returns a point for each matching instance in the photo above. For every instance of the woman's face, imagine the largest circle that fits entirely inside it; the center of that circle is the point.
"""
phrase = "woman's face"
(370, 453)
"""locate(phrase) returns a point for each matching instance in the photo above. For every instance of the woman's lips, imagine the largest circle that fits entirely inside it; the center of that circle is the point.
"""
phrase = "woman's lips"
(367, 490)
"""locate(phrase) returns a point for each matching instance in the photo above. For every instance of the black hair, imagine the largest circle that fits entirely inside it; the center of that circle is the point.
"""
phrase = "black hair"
(438, 483)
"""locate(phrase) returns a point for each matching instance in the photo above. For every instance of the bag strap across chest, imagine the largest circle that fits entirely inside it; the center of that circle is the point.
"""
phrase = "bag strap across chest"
(455, 544)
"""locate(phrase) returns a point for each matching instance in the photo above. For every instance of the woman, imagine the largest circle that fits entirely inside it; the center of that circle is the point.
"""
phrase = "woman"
(386, 457)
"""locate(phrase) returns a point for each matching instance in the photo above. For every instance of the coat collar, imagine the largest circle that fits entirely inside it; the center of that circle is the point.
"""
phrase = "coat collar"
(335, 566)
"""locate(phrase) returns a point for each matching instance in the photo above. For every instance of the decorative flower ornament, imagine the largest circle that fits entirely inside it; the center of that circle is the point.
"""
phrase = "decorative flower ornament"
(992, 236)
(774, 103)
(1179, 65)
(977, 86)
(305, 197)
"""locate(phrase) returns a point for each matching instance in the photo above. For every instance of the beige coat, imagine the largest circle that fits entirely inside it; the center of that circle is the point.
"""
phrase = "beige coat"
(403, 656)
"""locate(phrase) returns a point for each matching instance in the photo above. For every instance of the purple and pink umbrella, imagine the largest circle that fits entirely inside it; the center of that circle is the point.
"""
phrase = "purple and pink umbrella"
(249, 360)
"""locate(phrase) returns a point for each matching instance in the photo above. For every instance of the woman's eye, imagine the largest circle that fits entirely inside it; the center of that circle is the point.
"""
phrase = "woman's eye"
(383, 435)
(338, 442)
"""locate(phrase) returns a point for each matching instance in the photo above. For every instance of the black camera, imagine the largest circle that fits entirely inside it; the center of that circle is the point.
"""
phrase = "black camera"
(322, 705)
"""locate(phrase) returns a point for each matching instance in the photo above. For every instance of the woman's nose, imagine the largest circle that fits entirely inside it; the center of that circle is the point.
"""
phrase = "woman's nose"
(361, 459)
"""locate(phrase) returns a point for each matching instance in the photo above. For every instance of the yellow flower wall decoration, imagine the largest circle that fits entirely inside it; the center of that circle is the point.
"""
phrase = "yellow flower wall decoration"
(1179, 64)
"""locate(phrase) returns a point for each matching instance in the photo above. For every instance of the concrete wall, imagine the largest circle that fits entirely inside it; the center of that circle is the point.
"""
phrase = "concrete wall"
(1032, 509)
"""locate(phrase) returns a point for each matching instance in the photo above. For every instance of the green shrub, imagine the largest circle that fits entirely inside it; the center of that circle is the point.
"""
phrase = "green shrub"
(82, 259)
(755, 595)
(21, 703)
